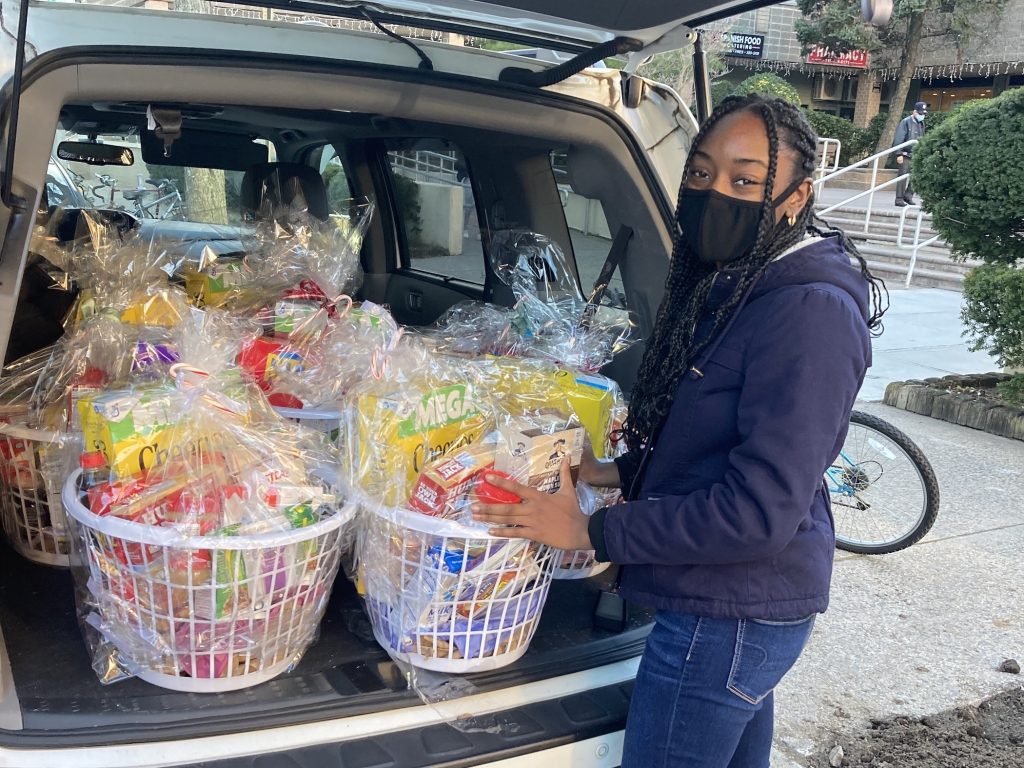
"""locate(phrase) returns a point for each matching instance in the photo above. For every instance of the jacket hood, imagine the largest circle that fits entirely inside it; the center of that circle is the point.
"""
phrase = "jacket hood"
(821, 261)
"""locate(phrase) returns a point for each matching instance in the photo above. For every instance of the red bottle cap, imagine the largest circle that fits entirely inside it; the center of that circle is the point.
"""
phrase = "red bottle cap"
(492, 494)
(92, 460)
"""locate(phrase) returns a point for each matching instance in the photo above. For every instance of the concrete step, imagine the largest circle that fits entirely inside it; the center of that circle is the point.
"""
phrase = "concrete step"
(857, 209)
(892, 239)
(935, 262)
(894, 275)
(878, 224)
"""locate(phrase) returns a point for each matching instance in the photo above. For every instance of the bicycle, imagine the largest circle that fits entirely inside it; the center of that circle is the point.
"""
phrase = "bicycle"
(885, 496)
(107, 182)
(167, 204)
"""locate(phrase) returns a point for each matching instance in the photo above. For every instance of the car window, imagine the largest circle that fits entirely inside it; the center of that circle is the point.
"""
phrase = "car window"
(153, 191)
(336, 181)
(434, 198)
(589, 233)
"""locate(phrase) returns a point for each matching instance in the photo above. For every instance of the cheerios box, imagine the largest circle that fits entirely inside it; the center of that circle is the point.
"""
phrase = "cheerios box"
(133, 427)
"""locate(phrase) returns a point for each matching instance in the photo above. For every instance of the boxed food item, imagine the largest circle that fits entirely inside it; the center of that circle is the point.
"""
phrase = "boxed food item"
(534, 448)
(264, 357)
(133, 426)
(216, 284)
(593, 398)
(444, 482)
(401, 431)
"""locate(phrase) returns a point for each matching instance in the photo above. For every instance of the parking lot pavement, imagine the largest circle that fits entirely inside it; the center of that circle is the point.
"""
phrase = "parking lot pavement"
(925, 629)
(923, 338)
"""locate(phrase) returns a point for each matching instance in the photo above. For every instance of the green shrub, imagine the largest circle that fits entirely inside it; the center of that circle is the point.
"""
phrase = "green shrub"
(829, 126)
(969, 171)
(994, 318)
(768, 84)
(720, 90)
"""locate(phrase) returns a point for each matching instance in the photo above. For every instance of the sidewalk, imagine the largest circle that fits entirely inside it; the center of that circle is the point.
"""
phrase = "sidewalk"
(925, 629)
(922, 338)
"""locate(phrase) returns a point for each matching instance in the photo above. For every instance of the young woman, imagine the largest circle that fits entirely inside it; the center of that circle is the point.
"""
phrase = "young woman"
(741, 403)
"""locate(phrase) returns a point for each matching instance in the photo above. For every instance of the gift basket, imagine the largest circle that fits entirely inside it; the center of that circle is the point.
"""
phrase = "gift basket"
(207, 529)
(441, 593)
(446, 596)
(33, 518)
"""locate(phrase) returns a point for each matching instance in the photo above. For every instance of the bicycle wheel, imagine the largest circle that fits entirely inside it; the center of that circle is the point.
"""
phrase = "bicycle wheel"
(885, 496)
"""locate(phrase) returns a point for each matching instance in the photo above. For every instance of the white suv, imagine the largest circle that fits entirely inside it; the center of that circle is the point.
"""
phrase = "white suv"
(493, 140)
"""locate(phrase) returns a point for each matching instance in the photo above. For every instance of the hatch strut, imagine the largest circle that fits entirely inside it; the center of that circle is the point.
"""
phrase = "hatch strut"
(7, 196)
(615, 47)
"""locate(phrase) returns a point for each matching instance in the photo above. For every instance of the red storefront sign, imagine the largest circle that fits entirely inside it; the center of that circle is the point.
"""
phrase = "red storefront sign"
(822, 55)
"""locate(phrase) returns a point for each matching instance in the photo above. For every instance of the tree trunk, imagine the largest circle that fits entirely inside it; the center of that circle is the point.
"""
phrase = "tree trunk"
(206, 195)
(908, 65)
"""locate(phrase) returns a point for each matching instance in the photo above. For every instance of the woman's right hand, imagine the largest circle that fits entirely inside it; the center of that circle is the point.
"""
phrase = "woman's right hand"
(597, 473)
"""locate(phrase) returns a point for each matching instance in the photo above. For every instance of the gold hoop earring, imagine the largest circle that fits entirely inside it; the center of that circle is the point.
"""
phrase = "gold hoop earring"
(792, 220)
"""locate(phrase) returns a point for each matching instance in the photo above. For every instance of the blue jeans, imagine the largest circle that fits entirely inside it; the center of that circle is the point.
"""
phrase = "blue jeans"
(703, 695)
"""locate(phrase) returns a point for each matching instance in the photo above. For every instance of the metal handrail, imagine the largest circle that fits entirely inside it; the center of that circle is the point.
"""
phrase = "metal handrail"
(918, 243)
(827, 142)
(873, 160)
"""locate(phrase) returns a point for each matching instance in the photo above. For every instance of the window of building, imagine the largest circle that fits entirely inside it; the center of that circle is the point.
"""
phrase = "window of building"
(437, 210)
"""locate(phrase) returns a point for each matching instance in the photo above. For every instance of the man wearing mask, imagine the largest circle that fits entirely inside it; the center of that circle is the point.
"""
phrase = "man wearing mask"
(911, 127)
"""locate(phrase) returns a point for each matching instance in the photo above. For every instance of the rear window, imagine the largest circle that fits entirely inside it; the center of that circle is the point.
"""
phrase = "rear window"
(151, 190)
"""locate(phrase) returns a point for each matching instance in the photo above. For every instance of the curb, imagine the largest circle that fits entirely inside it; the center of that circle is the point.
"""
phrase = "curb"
(929, 397)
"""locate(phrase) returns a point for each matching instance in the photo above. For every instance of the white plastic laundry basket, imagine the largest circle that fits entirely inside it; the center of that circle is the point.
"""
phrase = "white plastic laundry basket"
(577, 564)
(205, 614)
(33, 517)
(326, 420)
(446, 596)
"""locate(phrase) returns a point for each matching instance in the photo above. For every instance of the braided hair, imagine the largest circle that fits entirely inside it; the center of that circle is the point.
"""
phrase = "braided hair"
(673, 346)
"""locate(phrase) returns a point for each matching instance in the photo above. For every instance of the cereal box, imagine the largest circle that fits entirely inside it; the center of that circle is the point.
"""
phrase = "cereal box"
(534, 449)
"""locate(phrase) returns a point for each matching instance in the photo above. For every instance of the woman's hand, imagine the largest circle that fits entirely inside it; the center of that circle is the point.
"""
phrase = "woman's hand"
(593, 471)
(549, 518)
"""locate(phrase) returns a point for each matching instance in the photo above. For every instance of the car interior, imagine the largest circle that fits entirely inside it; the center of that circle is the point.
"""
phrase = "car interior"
(440, 186)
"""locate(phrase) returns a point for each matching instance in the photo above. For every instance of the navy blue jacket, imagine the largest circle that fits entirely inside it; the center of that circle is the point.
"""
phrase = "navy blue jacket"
(732, 519)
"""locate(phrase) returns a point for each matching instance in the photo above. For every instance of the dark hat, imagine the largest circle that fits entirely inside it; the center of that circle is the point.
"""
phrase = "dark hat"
(921, 107)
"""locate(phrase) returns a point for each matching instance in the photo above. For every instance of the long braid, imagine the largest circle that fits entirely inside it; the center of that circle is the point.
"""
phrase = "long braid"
(672, 345)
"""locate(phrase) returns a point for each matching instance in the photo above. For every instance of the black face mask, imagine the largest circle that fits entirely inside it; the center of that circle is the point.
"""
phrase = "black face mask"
(719, 228)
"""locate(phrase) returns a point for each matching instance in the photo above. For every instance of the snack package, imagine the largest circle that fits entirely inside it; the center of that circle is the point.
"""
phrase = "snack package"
(443, 484)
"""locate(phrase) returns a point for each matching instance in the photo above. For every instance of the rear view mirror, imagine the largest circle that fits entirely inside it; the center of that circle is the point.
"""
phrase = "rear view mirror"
(92, 153)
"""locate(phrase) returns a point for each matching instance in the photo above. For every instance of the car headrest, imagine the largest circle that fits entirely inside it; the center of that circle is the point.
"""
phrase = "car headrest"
(67, 225)
(269, 187)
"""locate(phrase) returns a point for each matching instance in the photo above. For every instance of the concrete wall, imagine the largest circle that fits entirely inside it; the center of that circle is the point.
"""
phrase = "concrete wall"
(585, 215)
(441, 216)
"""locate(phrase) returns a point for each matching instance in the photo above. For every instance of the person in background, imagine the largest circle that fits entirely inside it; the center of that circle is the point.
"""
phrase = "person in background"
(910, 127)
(741, 403)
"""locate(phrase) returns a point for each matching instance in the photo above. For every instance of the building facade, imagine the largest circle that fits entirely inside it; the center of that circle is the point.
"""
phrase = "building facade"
(857, 87)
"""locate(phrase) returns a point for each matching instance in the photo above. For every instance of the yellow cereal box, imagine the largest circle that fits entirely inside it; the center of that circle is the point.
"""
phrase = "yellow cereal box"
(400, 432)
(135, 428)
